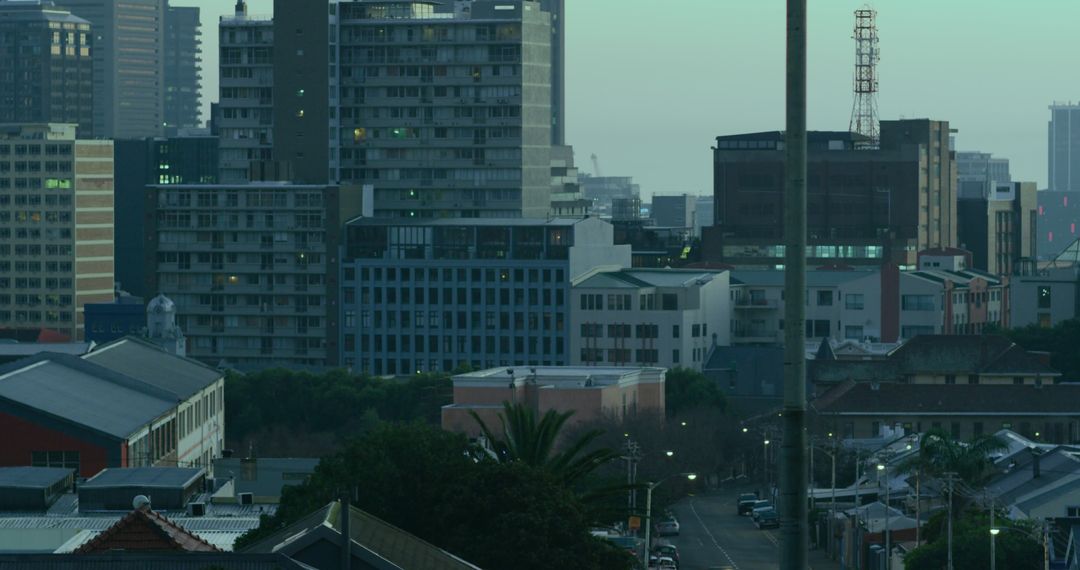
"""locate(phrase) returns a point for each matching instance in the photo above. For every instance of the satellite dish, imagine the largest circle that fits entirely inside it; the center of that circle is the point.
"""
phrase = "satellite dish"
(140, 501)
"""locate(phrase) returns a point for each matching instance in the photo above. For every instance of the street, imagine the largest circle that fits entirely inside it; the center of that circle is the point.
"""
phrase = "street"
(713, 536)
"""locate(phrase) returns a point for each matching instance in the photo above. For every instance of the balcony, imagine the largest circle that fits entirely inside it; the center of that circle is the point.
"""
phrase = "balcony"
(746, 303)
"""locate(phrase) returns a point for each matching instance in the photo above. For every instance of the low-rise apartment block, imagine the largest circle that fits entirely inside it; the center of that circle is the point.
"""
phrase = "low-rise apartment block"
(649, 317)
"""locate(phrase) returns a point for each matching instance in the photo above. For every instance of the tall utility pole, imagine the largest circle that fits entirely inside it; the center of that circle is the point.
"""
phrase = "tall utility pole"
(793, 473)
(864, 116)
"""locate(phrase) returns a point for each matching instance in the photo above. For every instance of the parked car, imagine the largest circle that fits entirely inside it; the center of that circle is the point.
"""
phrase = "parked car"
(666, 562)
(667, 528)
(668, 550)
(757, 514)
(760, 506)
(743, 505)
(768, 519)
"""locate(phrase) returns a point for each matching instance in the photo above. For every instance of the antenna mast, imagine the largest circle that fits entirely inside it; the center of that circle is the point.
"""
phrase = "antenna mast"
(864, 117)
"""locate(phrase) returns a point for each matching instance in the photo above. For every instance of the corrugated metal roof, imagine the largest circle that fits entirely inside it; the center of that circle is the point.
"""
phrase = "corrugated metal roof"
(143, 477)
(69, 388)
(32, 477)
(125, 560)
(151, 364)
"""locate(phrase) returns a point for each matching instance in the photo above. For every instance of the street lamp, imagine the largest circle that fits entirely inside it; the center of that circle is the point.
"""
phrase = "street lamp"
(888, 546)
(994, 531)
(648, 507)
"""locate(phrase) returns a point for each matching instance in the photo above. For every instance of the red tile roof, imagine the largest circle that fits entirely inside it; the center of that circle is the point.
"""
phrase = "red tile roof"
(145, 530)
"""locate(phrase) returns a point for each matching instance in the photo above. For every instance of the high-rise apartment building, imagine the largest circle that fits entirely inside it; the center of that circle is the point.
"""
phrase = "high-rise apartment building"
(246, 98)
(252, 268)
(1063, 139)
(863, 206)
(431, 295)
(1000, 229)
(189, 159)
(129, 71)
(183, 68)
(447, 116)
(46, 70)
(56, 227)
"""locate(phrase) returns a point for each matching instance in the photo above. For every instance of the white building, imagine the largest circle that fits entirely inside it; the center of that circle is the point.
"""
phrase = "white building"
(649, 317)
(840, 304)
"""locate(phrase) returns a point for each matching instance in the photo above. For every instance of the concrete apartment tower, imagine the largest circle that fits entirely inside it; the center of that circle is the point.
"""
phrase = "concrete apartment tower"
(47, 67)
(1063, 139)
(56, 232)
(246, 97)
(129, 71)
(183, 68)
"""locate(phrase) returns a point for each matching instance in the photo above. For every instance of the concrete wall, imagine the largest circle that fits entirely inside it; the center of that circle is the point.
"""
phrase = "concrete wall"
(1064, 286)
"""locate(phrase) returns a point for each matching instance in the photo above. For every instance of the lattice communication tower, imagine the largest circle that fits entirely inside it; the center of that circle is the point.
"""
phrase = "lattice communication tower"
(864, 116)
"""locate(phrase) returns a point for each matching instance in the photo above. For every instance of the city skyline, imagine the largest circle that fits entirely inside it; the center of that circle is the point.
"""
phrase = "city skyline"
(606, 65)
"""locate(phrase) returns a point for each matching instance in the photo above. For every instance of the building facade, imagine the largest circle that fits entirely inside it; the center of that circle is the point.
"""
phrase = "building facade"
(863, 206)
(246, 93)
(678, 211)
(1058, 221)
(129, 70)
(56, 227)
(1063, 148)
(252, 269)
(182, 159)
(430, 296)
(979, 174)
(183, 68)
(46, 72)
(1000, 228)
(447, 116)
(649, 317)
(592, 393)
(1047, 294)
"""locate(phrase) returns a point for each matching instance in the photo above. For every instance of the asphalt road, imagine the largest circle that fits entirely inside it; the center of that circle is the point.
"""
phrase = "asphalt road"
(713, 536)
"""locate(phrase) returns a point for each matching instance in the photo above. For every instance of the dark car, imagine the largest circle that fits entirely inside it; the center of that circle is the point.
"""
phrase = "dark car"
(668, 550)
(667, 528)
(745, 502)
(768, 519)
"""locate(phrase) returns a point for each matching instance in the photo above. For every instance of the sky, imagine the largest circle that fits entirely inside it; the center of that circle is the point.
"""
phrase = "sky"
(651, 84)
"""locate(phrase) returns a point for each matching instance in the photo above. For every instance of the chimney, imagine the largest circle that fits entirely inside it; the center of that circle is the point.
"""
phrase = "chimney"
(346, 534)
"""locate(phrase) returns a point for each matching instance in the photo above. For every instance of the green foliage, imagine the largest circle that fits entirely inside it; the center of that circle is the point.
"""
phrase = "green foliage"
(1060, 341)
(526, 440)
(939, 453)
(336, 402)
(1015, 547)
(432, 484)
(686, 389)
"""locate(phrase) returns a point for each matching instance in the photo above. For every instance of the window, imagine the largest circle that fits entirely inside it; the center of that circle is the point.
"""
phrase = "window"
(917, 302)
(824, 298)
(1018, 380)
(1043, 297)
(973, 378)
(818, 328)
(669, 302)
(853, 301)
(675, 356)
(853, 331)
(674, 331)
(63, 459)
(950, 379)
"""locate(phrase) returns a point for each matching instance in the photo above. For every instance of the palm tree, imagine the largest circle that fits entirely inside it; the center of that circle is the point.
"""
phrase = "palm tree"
(939, 454)
(534, 443)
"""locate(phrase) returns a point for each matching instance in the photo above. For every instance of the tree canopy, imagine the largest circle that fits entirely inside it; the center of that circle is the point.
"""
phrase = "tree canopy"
(686, 389)
(1060, 341)
(1015, 546)
(939, 453)
(335, 403)
(433, 484)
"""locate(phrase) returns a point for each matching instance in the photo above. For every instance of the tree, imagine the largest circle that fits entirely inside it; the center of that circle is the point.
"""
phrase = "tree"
(1060, 341)
(430, 483)
(686, 389)
(939, 453)
(526, 440)
(1014, 548)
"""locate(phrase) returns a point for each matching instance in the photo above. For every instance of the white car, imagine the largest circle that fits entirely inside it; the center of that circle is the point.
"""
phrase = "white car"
(667, 528)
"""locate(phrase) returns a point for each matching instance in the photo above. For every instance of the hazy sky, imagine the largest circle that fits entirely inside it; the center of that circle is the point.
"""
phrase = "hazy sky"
(649, 84)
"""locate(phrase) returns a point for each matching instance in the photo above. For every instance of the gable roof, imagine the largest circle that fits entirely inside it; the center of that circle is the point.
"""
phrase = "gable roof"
(986, 354)
(888, 398)
(386, 541)
(149, 363)
(127, 560)
(73, 390)
(144, 529)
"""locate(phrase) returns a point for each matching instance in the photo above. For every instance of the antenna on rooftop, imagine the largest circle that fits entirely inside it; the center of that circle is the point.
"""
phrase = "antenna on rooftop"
(864, 116)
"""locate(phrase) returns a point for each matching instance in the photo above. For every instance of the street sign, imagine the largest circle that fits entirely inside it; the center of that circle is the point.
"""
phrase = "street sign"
(635, 523)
